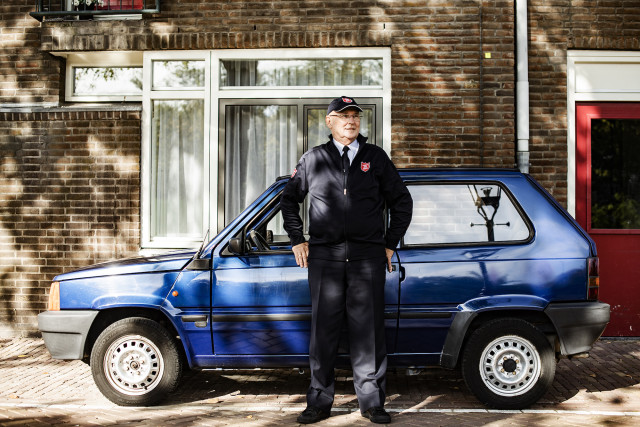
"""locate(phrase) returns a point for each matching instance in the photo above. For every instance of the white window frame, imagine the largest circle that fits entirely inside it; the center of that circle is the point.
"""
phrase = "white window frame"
(99, 59)
(149, 95)
(585, 86)
(213, 93)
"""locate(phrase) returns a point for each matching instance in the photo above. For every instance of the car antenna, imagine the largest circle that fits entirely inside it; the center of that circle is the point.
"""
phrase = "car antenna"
(206, 236)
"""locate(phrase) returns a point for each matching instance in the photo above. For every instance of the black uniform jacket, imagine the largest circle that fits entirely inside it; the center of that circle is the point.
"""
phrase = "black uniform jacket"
(347, 212)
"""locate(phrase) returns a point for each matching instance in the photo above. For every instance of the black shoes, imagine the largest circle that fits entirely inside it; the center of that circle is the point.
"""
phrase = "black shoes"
(377, 415)
(312, 415)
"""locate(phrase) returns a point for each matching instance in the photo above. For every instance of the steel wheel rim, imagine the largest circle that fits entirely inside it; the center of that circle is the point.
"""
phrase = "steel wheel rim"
(133, 365)
(510, 366)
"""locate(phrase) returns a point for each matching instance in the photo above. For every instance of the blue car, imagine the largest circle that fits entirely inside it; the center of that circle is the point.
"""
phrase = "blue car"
(493, 277)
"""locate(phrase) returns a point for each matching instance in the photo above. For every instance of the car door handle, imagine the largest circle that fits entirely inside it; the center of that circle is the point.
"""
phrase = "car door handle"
(394, 267)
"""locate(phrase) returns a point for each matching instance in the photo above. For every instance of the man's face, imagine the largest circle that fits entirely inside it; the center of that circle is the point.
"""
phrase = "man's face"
(344, 125)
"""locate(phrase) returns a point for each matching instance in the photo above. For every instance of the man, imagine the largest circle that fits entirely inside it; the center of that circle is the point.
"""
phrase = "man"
(348, 182)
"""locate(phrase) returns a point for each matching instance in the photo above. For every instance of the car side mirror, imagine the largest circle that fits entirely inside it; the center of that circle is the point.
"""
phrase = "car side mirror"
(235, 246)
(269, 236)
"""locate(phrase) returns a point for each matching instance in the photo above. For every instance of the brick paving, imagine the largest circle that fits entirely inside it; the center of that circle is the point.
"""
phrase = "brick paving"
(37, 390)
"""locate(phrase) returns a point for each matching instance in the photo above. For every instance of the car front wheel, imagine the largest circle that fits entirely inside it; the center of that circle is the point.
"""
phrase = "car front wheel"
(508, 364)
(135, 362)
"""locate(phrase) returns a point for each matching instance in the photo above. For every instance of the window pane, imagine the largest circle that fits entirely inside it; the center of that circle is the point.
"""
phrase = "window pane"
(260, 146)
(178, 74)
(463, 214)
(107, 80)
(177, 169)
(301, 72)
(615, 173)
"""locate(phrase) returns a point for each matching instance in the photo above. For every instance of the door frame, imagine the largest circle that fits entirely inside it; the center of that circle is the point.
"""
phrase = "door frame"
(618, 83)
(585, 111)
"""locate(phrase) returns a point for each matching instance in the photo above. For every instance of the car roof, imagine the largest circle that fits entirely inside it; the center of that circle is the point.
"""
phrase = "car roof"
(415, 174)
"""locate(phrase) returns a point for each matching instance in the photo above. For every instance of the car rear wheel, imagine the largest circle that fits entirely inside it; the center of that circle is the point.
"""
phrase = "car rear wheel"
(135, 362)
(508, 364)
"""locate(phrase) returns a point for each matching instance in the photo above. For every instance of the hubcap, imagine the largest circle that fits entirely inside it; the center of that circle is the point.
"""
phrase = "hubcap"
(510, 366)
(133, 365)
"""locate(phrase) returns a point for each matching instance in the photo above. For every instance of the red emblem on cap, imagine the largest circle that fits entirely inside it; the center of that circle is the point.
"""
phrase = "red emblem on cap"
(365, 166)
(294, 173)
(347, 100)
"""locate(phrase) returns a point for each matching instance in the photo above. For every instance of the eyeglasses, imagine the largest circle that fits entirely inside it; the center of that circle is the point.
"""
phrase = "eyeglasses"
(346, 117)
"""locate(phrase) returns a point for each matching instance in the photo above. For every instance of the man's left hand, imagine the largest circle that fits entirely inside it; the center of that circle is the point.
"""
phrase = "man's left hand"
(390, 253)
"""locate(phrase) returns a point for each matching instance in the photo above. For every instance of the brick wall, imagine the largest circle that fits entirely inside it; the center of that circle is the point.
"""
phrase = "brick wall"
(451, 105)
(69, 196)
(69, 185)
(70, 179)
(27, 75)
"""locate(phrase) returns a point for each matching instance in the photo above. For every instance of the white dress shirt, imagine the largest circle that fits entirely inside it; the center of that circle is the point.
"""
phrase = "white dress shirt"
(353, 149)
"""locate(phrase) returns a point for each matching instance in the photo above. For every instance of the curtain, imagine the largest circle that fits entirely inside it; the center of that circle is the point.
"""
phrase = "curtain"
(260, 146)
(177, 169)
(302, 72)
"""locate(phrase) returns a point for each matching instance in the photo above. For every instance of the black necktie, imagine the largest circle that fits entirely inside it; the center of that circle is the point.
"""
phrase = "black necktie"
(345, 159)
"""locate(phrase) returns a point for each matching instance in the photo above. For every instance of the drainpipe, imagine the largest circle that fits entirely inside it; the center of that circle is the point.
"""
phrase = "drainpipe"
(522, 87)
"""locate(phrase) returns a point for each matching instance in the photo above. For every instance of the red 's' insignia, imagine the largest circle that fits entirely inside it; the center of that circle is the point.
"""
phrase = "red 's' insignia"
(365, 166)
(347, 100)
(295, 171)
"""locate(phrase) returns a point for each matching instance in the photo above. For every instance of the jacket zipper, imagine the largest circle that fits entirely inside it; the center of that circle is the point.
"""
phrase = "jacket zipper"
(345, 174)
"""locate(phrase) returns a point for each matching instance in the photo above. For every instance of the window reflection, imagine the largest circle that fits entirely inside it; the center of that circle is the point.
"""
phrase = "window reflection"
(178, 74)
(446, 214)
(107, 80)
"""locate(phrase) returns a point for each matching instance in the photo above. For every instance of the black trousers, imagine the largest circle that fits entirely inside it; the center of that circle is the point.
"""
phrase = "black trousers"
(357, 289)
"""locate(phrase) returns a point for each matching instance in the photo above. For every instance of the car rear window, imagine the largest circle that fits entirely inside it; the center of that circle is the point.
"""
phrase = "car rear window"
(464, 214)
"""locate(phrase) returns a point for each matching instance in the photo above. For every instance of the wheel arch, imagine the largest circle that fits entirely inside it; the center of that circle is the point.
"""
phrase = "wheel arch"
(466, 322)
(109, 316)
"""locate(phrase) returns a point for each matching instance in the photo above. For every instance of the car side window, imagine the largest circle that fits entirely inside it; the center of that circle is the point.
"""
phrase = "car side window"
(464, 214)
(275, 233)
(264, 234)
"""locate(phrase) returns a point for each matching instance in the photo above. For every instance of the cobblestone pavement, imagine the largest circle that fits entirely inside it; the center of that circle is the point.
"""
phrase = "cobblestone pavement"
(37, 390)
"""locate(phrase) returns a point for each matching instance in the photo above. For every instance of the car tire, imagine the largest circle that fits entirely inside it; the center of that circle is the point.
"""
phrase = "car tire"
(136, 362)
(508, 364)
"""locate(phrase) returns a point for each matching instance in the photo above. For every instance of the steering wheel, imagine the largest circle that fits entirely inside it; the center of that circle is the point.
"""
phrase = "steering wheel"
(258, 241)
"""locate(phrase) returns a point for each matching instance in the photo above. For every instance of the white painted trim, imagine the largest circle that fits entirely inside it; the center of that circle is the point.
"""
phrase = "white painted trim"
(383, 91)
(212, 93)
(574, 59)
(98, 59)
(149, 95)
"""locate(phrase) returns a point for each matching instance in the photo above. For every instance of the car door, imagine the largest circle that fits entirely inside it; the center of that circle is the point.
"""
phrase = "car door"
(260, 301)
(448, 256)
(261, 304)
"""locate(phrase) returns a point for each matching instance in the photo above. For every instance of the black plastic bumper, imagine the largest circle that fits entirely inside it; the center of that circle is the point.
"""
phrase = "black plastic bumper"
(65, 332)
(578, 324)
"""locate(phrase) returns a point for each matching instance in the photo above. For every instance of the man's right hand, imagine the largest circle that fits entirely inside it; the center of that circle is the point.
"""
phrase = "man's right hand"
(301, 253)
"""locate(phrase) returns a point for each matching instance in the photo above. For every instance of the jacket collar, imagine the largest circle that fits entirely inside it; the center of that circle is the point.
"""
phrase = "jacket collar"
(362, 140)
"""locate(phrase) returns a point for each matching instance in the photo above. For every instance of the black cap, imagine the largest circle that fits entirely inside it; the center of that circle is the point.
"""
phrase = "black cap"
(342, 103)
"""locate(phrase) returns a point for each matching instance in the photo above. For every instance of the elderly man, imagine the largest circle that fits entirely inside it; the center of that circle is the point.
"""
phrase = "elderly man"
(349, 182)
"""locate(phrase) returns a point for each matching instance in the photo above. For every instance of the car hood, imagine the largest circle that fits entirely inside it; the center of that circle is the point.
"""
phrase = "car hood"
(151, 264)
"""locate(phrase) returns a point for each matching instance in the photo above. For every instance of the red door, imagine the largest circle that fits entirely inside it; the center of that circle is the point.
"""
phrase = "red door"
(608, 204)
